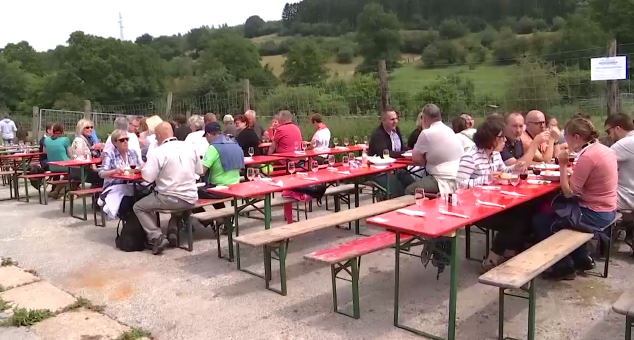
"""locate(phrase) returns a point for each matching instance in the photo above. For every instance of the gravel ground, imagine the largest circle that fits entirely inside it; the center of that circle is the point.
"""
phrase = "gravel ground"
(194, 296)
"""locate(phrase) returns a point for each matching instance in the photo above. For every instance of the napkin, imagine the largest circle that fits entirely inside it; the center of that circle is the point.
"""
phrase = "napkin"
(342, 148)
(378, 219)
(537, 181)
(248, 159)
(310, 179)
(300, 152)
(277, 184)
(302, 174)
(489, 187)
(510, 193)
(489, 204)
(344, 172)
(443, 212)
(412, 213)
(332, 169)
(220, 187)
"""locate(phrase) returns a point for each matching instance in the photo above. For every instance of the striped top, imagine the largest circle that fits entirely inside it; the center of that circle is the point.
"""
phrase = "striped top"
(476, 166)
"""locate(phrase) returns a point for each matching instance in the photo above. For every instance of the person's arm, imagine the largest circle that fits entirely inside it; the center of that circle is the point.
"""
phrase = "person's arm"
(537, 156)
(198, 167)
(108, 167)
(573, 184)
(547, 156)
(622, 152)
(67, 146)
(466, 170)
(500, 166)
(419, 154)
(209, 159)
(15, 128)
(272, 148)
(152, 168)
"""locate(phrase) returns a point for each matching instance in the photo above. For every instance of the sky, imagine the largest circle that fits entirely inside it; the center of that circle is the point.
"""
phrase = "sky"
(46, 24)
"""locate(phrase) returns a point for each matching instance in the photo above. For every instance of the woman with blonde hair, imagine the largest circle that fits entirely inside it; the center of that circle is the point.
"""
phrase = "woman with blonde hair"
(413, 137)
(147, 139)
(84, 142)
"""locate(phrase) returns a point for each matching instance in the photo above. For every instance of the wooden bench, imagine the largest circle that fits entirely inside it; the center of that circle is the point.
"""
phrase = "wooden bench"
(347, 258)
(625, 306)
(93, 193)
(275, 241)
(521, 270)
(41, 189)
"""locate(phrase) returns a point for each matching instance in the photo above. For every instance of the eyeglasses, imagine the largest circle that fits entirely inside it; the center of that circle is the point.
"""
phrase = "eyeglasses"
(121, 140)
(542, 123)
(501, 137)
(88, 127)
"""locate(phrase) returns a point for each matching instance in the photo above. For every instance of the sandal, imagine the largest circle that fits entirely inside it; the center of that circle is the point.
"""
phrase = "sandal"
(488, 264)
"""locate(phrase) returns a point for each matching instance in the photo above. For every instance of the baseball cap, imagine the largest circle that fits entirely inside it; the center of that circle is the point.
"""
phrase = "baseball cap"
(213, 127)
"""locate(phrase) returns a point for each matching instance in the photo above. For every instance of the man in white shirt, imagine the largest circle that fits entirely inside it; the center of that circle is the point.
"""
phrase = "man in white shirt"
(172, 166)
(8, 130)
(321, 138)
(439, 151)
(123, 123)
(620, 128)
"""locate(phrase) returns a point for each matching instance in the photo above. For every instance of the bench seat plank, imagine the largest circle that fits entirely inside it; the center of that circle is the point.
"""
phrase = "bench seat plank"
(214, 214)
(85, 192)
(625, 303)
(526, 266)
(44, 175)
(356, 248)
(201, 202)
(307, 226)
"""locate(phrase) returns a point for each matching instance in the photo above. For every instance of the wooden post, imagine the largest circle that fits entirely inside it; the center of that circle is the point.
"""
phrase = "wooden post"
(246, 91)
(613, 85)
(168, 109)
(87, 110)
(35, 124)
(188, 114)
(385, 93)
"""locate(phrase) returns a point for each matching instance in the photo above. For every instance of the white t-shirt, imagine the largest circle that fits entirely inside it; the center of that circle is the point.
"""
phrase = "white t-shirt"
(442, 148)
(624, 150)
(198, 140)
(133, 144)
(467, 143)
(321, 139)
(8, 128)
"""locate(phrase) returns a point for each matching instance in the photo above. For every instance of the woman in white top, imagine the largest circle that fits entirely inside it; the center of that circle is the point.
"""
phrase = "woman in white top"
(460, 127)
(147, 139)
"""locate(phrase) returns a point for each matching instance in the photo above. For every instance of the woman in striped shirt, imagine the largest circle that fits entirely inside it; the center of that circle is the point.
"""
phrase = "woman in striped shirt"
(483, 164)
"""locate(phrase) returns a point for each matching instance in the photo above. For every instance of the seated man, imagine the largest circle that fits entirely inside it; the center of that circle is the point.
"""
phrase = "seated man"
(513, 147)
(287, 134)
(172, 166)
(536, 124)
(439, 150)
(387, 136)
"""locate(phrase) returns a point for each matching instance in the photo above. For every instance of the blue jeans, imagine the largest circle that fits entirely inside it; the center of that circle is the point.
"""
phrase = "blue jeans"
(542, 224)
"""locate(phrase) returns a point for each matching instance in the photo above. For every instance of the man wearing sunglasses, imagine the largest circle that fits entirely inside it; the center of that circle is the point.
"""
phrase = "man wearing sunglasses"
(536, 124)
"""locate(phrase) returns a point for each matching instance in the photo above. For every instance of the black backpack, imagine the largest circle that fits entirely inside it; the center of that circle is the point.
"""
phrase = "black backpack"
(132, 236)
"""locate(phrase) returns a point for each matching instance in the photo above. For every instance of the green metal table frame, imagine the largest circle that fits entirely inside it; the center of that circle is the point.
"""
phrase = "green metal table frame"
(629, 323)
(71, 202)
(530, 290)
(14, 186)
(453, 286)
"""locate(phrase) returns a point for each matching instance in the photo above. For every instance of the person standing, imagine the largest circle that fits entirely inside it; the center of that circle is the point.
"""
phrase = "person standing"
(173, 167)
(8, 130)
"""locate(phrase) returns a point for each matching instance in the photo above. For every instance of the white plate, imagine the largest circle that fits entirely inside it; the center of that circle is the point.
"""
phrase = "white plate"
(546, 166)
(381, 161)
(407, 155)
(550, 175)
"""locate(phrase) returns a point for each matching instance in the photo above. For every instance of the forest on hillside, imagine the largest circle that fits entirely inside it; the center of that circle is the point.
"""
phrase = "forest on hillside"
(548, 42)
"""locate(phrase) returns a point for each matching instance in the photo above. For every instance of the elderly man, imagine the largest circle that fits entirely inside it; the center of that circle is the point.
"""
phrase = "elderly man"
(135, 122)
(172, 166)
(210, 118)
(387, 136)
(252, 117)
(287, 135)
(470, 131)
(230, 126)
(439, 150)
(513, 147)
(197, 136)
(536, 124)
(122, 123)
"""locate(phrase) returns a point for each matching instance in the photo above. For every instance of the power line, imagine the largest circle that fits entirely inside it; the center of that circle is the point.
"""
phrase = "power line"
(120, 26)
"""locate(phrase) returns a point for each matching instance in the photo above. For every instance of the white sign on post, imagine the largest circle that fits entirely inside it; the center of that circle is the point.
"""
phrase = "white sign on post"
(614, 68)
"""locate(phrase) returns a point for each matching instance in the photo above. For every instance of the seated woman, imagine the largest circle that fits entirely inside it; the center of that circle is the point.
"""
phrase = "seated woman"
(413, 137)
(477, 166)
(57, 148)
(592, 188)
(84, 139)
(115, 161)
(246, 136)
(147, 139)
(269, 134)
(459, 126)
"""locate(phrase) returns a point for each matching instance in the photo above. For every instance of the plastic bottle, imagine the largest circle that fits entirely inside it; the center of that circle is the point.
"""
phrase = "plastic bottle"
(364, 159)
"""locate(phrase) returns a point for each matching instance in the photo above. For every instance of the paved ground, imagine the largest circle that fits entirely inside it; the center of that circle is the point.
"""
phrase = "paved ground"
(194, 296)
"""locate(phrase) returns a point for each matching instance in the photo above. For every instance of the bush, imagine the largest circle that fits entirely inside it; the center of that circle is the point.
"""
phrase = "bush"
(303, 100)
(509, 46)
(270, 47)
(488, 36)
(532, 86)
(415, 42)
(452, 29)
(558, 23)
(525, 25)
(452, 93)
(431, 55)
(540, 24)
(345, 55)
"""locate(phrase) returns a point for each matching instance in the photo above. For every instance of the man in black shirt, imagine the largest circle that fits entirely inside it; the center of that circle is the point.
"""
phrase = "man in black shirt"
(182, 128)
(513, 148)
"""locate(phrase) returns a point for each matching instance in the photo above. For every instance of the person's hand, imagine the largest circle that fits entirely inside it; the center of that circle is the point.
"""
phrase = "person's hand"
(521, 166)
(563, 158)
(98, 146)
(554, 133)
(118, 171)
(542, 138)
(495, 176)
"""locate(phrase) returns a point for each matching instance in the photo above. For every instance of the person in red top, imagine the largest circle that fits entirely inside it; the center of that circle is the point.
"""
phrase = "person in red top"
(592, 186)
(269, 134)
(287, 136)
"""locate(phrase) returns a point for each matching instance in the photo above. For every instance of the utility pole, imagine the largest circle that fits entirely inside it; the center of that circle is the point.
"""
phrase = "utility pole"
(120, 26)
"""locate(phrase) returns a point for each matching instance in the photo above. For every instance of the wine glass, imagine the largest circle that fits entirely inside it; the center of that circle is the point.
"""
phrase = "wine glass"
(477, 192)
(488, 179)
(386, 154)
(250, 174)
(355, 139)
(251, 151)
(524, 175)
(304, 146)
(315, 166)
(335, 141)
(346, 161)
(291, 168)
(419, 196)
(537, 171)
(515, 180)
(331, 161)
(296, 146)
(256, 174)
(441, 203)
(346, 142)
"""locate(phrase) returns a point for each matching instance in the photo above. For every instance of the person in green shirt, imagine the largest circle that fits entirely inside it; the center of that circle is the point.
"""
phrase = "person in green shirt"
(57, 149)
(224, 157)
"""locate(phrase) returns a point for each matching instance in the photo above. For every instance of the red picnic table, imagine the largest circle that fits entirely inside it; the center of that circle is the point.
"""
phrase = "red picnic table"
(252, 192)
(435, 224)
(81, 164)
(320, 152)
(255, 160)
(20, 160)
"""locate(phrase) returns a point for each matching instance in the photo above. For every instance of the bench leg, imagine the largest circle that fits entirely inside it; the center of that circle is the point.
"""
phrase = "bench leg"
(26, 190)
(270, 251)
(356, 205)
(531, 310)
(352, 268)
(628, 327)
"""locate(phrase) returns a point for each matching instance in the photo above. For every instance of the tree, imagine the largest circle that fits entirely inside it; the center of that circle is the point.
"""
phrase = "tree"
(30, 60)
(379, 38)
(253, 26)
(452, 29)
(532, 86)
(345, 55)
(304, 63)
(558, 23)
(289, 14)
(145, 39)
(579, 40)
(13, 84)
(525, 25)
(431, 55)
(615, 17)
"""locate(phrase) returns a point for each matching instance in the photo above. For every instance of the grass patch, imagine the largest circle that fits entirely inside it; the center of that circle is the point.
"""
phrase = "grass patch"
(4, 305)
(7, 261)
(22, 317)
(2, 289)
(31, 271)
(84, 303)
(134, 334)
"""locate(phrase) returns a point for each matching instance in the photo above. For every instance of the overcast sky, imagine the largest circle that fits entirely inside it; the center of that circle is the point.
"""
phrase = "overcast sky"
(47, 23)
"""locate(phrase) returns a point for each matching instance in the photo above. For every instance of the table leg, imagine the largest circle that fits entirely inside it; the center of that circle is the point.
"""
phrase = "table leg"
(397, 271)
(356, 205)
(267, 212)
(453, 288)
(83, 187)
